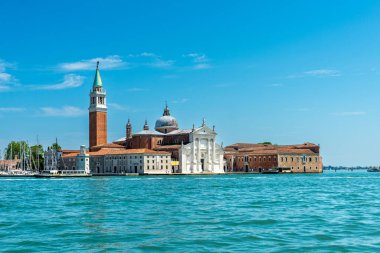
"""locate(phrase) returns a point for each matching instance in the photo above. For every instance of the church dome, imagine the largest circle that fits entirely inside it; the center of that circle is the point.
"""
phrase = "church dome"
(166, 123)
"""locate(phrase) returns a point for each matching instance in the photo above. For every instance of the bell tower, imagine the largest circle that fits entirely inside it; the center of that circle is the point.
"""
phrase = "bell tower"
(97, 112)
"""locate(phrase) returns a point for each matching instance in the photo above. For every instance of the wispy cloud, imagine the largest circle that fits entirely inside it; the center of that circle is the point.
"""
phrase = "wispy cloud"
(317, 73)
(161, 64)
(353, 113)
(275, 85)
(200, 61)
(109, 62)
(180, 101)
(323, 72)
(4, 88)
(118, 107)
(65, 111)
(11, 109)
(69, 81)
(202, 66)
(6, 79)
(151, 60)
(136, 89)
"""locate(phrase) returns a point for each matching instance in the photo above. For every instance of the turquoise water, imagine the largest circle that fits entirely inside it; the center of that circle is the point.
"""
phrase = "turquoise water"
(247, 213)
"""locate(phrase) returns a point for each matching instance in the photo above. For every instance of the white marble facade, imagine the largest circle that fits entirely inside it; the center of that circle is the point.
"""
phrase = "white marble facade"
(202, 154)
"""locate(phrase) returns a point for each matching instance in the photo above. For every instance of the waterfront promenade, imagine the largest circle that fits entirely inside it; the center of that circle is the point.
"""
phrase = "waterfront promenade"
(272, 213)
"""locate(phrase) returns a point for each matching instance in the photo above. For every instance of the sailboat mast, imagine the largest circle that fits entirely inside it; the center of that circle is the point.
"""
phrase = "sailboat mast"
(38, 155)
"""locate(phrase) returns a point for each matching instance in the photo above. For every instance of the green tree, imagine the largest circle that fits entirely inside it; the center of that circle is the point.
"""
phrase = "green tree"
(16, 149)
(265, 143)
(37, 157)
(55, 146)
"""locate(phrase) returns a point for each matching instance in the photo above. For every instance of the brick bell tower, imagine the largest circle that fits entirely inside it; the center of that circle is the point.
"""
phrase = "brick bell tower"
(97, 112)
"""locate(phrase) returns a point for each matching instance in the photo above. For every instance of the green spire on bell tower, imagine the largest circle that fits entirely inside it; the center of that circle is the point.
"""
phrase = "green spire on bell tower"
(97, 79)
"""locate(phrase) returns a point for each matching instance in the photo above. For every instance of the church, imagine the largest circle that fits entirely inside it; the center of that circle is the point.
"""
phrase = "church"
(193, 150)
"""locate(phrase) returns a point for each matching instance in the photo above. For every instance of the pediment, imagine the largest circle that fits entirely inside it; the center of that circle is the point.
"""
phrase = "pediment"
(204, 130)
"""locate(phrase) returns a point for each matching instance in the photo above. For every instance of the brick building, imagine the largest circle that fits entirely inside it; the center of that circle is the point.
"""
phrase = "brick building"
(303, 158)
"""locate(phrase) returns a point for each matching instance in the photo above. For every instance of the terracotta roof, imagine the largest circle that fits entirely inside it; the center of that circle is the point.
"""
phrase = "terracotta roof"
(108, 145)
(103, 152)
(168, 147)
(246, 148)
(68, 151)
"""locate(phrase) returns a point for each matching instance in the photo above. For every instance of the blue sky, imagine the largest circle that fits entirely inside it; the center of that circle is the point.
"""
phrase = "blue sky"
(280, 71)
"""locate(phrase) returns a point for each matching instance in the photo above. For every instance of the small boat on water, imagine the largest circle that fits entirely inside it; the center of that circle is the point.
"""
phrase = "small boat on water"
(17, 173)
(270, 171)
(63, 173)
(373, 170)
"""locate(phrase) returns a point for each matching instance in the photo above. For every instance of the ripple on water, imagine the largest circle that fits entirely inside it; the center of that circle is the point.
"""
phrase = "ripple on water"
(332, 212)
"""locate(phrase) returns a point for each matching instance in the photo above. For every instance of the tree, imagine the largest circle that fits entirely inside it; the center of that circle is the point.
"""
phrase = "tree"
(266, 143)
(37, 157)
(16, 149)
(55, 146)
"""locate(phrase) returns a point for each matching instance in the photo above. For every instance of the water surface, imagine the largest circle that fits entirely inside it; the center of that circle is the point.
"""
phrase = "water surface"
(334, 211)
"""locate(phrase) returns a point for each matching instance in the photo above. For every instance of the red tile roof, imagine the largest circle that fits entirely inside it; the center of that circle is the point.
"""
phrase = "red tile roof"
(103, 152)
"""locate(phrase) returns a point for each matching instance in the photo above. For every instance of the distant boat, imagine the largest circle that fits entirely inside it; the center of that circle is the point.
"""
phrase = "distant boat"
(63, 173)
(270, 171)
(373, 170)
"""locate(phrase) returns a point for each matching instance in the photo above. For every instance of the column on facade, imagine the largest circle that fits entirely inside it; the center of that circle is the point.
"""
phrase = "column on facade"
(192, 157)
(209, 155)
(213, 151)
(198, 155)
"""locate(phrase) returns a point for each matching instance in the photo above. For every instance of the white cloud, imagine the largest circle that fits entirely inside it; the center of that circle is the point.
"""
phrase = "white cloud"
(69, 81)
(118, 107)
(180, 101)
(202, 66)
(200, 61)
(11, 109)
(135, 89)
(109, 62)
(4, 88)
(6, 79)
(147, 54)
(353, 113)
(154, 60)
(161, 64)
(322, 72)
(197, 57)
(317, 73)
(65, 111)
(276, 85)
